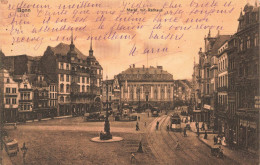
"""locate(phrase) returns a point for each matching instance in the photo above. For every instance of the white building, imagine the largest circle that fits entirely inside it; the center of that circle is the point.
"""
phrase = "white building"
(11, 97)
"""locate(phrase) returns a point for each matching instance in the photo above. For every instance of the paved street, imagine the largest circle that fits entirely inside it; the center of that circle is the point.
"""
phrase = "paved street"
(192, 151)
(67, 141)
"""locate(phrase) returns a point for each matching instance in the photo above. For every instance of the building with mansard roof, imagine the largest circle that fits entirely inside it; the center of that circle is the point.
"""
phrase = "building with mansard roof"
(243, 81)
(146, 87)
(78, 78)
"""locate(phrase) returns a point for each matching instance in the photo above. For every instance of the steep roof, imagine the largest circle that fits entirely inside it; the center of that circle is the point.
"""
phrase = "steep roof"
(63, 49)
(219, 42)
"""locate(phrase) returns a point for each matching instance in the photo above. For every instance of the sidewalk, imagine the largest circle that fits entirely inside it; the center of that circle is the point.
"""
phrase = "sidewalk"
(241, 157)
(5, 160)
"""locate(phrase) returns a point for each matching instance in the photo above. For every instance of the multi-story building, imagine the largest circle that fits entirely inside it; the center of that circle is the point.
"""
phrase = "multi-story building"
(244, 81)
(113, 93)
(26, 98)
(195, 91)
(11, 98)
(222, 106)
(147, 87)
(208, 77)
(41, 99)
(78, 78)
(182, 93)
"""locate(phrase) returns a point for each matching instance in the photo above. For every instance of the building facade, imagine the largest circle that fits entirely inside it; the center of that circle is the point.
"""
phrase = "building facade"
(146, 87)
(222, 90)
(246, 79)
(11, 98)
(112, 88)
(78, 78)
(26, 99)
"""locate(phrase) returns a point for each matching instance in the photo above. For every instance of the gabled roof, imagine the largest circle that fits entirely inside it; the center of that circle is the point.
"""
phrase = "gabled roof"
(220, 40)
(63, 49)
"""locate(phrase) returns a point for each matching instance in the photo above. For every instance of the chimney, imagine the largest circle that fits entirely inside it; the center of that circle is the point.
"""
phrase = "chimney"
(133, 65)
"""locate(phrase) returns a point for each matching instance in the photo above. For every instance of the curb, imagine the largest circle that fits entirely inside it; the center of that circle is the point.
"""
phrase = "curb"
(225, 156)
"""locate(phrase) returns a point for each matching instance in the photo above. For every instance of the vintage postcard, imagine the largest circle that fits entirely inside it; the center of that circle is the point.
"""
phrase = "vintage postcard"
(129, 82)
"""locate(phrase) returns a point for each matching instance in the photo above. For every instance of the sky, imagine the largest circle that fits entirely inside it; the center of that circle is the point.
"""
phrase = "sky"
(176, 56)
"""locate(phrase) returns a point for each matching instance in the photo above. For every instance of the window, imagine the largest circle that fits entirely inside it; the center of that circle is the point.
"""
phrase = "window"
(67, 66)
(61, 99)
(7, 90)
(248, 42)
(25, 86)
(241, 45)
(110, 89)
(13, 90)
(256, 40)
(13, 100)
(7, 100)
(83, 88)
(61, 88)
(67, 88)
(68, 78)
(79, 79)
(110, 98)
(207, 88)
(61, 77)
(61, 65)
(88, 80)
(8, 80)
(83, 79)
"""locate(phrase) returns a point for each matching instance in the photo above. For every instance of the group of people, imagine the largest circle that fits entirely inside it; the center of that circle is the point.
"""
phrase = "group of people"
(220, 140)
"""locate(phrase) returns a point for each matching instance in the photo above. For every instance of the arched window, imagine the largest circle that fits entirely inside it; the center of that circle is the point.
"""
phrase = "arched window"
(61, 87)
(248, 42)
(67, 88)
(256, 40)
(83, 88)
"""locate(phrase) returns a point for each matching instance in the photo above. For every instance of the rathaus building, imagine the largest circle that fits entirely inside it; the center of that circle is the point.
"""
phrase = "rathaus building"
(146, 87)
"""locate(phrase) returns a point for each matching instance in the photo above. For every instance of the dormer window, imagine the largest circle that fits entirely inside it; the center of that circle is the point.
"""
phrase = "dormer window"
(8, 80)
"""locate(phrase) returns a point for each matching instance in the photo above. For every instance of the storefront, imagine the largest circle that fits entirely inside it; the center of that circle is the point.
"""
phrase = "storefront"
(248, 134)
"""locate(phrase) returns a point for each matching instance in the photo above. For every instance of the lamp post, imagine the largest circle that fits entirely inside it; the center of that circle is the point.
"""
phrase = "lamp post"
(24, 151)
(107, 125)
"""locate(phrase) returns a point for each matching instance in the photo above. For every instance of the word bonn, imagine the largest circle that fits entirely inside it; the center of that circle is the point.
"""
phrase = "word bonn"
(23, 10)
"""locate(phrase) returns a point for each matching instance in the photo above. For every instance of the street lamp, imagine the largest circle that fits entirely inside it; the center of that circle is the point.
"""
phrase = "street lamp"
(24, 151)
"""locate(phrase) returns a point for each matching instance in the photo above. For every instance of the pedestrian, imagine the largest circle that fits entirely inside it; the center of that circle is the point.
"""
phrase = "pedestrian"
(198, 131)
(215, 140)
(184, 132)
(132, 157)
(206, 135)
(137, 126)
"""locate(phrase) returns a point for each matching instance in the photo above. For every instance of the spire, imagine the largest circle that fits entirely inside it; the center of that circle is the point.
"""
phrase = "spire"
(91, 50)
(209, 33)
(91, 43)
(72, 46)
(71, 38)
